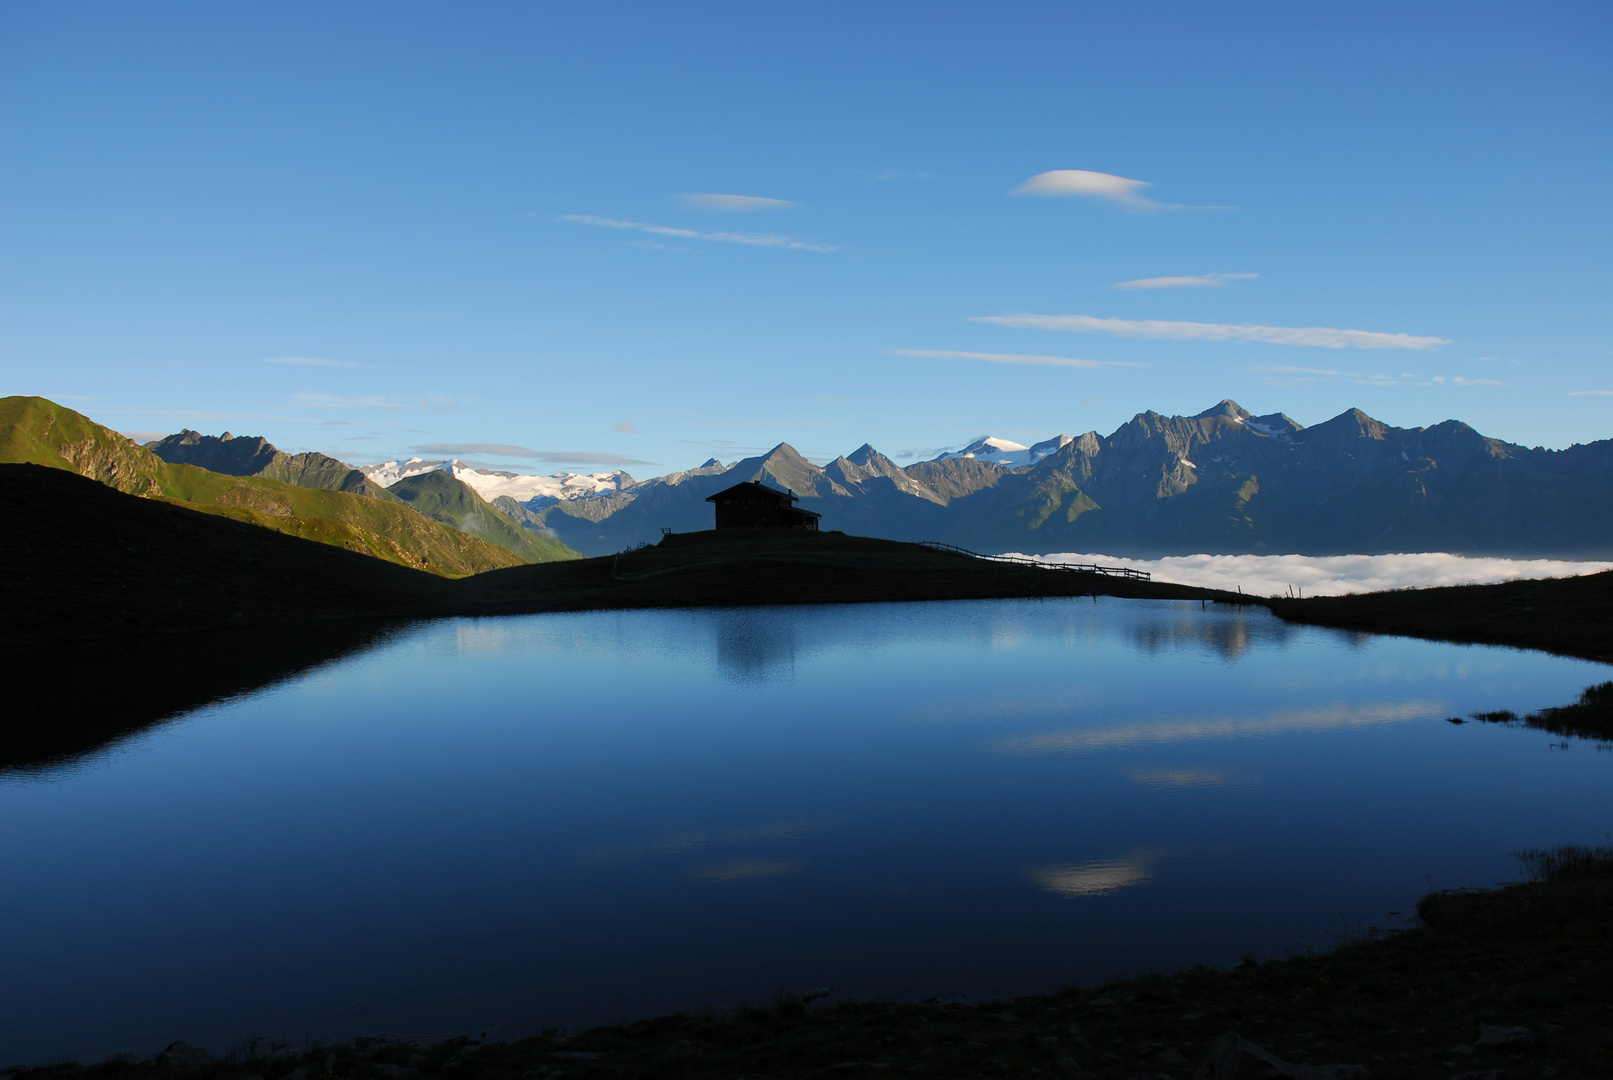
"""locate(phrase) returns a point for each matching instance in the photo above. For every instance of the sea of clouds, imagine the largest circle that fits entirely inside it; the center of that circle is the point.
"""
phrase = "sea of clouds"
(1331, 575)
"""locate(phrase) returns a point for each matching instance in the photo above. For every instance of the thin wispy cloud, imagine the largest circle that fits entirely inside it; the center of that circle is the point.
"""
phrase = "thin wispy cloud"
(552, 457)
(1325, 337)
(743, 204)
(767, 240)
(313, 361)
(626, 428)
(329, 401)
(1193, 282)
(776, 423)
(1590, 393)
(1032, 359)
(1309, 376)
(1462, 380)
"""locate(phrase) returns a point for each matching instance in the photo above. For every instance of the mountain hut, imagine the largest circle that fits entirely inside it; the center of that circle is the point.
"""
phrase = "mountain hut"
(754, 505)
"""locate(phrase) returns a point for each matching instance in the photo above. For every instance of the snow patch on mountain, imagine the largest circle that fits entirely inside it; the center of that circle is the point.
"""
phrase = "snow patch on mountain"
(491, 483)
(1008, 454)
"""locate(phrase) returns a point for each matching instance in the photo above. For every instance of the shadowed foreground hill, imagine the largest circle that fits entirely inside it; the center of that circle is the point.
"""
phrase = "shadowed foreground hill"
(84, 562)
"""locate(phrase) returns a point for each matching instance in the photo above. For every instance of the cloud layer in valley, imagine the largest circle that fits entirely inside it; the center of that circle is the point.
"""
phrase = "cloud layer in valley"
(1325, 337)
(767, 240)
(1332, 575)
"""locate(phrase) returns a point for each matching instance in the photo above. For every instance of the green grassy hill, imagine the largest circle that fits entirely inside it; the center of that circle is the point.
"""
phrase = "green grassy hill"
(256, 456)
(38, 431)
(454, 503)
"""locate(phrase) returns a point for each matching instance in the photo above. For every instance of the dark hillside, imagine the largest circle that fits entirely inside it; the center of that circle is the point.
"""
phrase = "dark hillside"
(746, 567)
(84, 562)
(1568, 616)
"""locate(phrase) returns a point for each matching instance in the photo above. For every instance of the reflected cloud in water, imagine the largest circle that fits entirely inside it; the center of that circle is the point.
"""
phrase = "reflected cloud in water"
(1227, 633)
(1096, 878)
(725, 873)
(1224, 727)
(1192, 778)
(681, 843)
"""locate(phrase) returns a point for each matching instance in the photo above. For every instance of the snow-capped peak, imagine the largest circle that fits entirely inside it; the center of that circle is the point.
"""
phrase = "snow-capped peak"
(1008, 454)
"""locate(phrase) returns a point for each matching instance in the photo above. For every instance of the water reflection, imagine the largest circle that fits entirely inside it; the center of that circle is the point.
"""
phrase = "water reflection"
(754, 645)
(508, 824)
(76, 703)
(1227, 631)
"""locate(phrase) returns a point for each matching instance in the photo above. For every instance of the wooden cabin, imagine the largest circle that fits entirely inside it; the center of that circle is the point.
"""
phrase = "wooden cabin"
(754, 505)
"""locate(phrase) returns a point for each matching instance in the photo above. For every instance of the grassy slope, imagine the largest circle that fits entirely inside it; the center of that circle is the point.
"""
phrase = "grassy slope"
(442, 498)
(35, 430)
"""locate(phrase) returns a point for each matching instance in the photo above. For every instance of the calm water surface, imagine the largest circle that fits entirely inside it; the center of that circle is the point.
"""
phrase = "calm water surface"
(504, 824)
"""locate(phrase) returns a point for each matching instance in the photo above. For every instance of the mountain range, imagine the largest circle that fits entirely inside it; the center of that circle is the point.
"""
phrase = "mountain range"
(1221, 482)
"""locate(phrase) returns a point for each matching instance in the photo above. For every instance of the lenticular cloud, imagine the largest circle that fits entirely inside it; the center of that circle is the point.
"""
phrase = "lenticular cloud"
(1331, 575)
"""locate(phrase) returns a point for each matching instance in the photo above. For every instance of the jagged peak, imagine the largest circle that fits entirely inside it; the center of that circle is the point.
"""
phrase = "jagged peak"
(1225, 407)
(863, 455)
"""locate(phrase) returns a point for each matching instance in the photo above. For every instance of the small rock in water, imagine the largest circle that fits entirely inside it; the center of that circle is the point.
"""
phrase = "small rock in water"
(1511, 1038)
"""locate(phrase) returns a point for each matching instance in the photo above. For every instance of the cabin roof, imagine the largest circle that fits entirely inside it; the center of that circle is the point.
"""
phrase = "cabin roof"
(752, 489)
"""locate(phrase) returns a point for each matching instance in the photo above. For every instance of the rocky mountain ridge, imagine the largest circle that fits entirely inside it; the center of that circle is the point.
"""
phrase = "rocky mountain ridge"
(1224, 481)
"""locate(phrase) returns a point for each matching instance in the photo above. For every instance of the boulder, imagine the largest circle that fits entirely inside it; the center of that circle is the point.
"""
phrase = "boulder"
(1495, 1037)
(179, 1058)
(1236, 1058)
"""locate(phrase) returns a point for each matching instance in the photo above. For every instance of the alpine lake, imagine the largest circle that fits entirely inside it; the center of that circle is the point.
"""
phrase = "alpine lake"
(553, 821)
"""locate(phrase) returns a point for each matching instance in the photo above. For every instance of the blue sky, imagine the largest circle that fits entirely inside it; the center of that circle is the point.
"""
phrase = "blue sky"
(376, 230)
